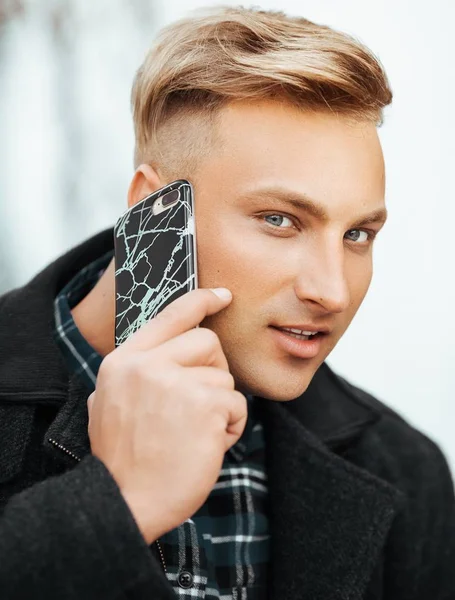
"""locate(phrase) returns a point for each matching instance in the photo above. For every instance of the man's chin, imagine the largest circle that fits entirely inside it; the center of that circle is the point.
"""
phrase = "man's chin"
(272, 376)
(280, 396)
(279, 390)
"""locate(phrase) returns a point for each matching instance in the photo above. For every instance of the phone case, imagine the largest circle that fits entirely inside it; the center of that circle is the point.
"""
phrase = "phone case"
(155, 258)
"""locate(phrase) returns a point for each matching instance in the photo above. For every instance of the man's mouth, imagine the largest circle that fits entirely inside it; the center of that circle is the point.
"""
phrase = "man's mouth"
(299, 333)
(302, 342)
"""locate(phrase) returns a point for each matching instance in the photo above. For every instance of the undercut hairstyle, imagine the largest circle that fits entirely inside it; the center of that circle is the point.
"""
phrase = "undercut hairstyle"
(216, 56)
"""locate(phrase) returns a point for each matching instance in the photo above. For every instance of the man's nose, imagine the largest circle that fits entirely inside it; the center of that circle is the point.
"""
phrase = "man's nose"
(322, 280)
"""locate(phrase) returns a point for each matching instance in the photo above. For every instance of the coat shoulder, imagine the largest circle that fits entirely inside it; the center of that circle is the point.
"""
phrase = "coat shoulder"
(394, 448)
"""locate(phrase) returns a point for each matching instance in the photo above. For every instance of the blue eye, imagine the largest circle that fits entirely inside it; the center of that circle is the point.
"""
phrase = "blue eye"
(278, 220)
(355, 235)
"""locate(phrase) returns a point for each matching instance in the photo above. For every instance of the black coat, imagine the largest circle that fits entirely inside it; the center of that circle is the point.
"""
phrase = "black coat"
(361, 504)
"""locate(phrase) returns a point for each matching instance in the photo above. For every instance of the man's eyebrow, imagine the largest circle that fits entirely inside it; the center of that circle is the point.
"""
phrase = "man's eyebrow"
(378, 216)
(303, 202)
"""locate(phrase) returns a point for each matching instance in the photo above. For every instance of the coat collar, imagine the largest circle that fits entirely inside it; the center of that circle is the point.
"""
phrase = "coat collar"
(27, 323)
(328, 517)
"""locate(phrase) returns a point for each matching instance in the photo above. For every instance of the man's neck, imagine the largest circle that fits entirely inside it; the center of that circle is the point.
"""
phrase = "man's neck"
(95, 314)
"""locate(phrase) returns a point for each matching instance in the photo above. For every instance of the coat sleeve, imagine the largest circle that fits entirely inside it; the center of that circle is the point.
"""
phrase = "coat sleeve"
(73, 537)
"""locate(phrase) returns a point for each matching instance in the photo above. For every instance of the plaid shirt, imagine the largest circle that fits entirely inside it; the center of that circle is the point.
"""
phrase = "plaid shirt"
(223, 550)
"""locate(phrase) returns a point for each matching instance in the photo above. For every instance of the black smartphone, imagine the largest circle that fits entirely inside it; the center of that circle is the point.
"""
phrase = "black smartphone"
(155, 256)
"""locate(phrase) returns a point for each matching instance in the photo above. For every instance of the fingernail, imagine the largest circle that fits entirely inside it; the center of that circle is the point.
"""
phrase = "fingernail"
(222, 293)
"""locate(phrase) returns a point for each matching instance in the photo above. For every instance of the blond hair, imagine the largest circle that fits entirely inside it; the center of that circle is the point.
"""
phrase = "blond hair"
(222, 54)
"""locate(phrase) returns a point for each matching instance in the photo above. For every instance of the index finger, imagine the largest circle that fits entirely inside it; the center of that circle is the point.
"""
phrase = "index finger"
(183, 314)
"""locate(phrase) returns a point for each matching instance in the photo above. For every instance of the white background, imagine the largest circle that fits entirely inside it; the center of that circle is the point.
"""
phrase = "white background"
(66, 159)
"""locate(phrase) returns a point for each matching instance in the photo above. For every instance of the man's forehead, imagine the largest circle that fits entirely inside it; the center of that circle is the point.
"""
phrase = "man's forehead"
(276, 134)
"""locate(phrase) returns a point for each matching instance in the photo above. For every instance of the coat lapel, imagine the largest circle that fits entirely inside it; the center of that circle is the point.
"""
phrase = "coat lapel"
(328, 518)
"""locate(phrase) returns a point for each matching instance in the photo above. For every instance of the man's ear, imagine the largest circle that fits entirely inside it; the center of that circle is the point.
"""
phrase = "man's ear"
(145, 181)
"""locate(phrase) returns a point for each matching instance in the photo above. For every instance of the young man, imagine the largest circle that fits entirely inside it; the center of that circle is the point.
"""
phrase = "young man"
(227, 460)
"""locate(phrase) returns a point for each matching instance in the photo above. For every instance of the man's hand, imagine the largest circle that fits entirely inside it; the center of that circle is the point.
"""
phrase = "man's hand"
(165, 411)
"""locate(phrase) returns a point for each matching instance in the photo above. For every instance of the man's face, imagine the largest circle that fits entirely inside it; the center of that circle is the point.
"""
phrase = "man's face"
(286, 210)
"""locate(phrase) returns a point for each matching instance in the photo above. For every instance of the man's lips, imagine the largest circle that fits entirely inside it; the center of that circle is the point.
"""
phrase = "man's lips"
(299, 344)
(313, 327)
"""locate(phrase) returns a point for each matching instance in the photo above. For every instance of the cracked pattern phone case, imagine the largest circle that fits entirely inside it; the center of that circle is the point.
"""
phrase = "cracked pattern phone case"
(155, 258)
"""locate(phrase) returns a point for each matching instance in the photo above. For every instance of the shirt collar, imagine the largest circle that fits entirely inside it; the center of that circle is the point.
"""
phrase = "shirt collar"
(80, 357)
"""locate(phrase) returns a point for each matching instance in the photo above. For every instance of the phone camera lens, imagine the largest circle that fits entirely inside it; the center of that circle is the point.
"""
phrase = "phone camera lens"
(170, 197)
